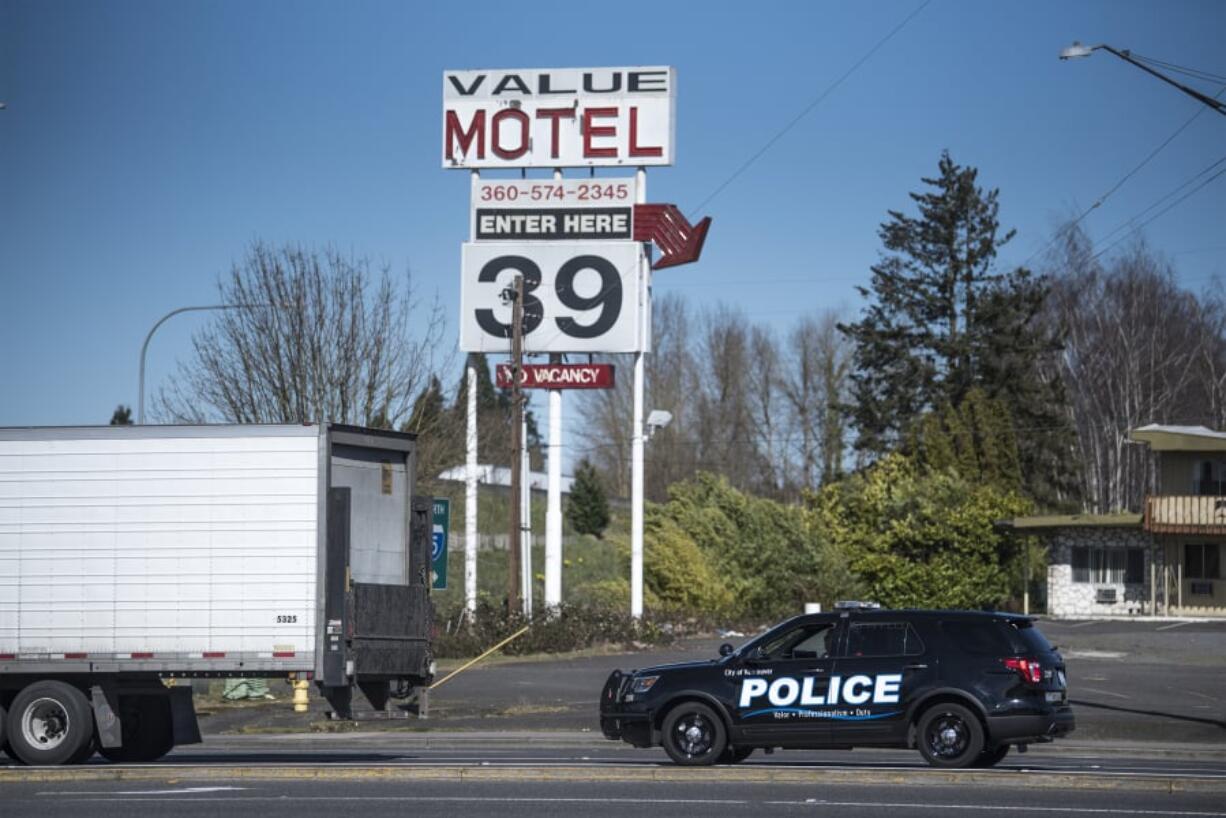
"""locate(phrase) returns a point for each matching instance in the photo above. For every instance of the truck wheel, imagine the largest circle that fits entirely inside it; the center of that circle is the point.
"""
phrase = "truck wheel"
(949, 735)
(694, 735)
(148, 733)
(49, 723)
(4, 745)
(85, 753)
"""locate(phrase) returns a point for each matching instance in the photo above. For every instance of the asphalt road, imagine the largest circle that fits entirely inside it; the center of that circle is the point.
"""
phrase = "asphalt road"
(510, 799)
(543, 749)
(1150, 681)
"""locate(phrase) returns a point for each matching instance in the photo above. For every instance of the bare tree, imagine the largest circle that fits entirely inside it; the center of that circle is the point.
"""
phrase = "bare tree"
(669, 376)
(319, 338)
(815, 383)
(1138, 349)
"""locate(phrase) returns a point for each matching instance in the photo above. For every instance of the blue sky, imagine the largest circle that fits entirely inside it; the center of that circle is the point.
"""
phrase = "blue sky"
(146, 144)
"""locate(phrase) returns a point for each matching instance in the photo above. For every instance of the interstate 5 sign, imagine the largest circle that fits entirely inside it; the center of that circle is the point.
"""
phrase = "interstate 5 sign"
(578, 296)
(559, 117)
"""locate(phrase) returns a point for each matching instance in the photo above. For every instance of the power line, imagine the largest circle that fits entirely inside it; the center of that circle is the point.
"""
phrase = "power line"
(796, 119)
(1067, 228)
(1163, 210)
(1179, 69)
(808, 108)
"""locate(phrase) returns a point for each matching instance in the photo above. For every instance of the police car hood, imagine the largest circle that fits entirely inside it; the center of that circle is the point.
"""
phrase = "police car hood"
(675, 666)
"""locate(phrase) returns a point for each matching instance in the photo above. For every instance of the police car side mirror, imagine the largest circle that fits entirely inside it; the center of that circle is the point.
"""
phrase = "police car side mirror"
(726, 649)
(756, 655)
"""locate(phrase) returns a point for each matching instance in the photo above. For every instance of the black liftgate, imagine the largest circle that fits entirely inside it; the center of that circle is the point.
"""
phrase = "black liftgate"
(376, 634)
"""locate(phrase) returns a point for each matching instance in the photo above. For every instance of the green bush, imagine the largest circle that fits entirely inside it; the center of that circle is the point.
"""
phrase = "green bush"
(754, 558)
(922, 539)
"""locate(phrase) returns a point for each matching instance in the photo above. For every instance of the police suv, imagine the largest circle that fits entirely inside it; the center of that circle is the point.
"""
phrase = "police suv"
(961, 686)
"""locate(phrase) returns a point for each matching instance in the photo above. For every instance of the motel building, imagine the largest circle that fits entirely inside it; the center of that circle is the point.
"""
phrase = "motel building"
(1165, 561)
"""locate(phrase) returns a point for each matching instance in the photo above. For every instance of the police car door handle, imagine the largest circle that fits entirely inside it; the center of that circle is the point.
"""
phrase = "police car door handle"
(916, 666)
(815, 670)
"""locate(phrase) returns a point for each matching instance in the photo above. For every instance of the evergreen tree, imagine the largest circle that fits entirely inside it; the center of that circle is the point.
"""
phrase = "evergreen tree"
(975, 441)
(122, 416)
(942, 321)
(494, 417)
(588, 507)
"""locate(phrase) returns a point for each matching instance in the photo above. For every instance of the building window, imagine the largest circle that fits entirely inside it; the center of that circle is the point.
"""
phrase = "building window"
(1210, 479)
(1108, 566)
(1201, 561)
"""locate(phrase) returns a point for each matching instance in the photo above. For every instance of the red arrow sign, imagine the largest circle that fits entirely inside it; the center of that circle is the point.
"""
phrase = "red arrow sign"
(678, 240)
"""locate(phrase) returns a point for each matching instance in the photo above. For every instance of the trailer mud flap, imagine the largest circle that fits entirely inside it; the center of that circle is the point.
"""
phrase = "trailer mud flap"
(183, 716)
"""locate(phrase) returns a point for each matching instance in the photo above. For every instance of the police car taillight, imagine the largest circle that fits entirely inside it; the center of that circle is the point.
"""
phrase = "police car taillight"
(1030, 670)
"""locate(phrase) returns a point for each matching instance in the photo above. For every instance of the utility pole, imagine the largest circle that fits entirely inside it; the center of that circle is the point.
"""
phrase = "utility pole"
(517, 414)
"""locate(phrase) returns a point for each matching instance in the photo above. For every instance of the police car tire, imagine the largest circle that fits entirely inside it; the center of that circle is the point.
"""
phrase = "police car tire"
(735, 755)
(711, 739)
(949, 735)
(992, 756)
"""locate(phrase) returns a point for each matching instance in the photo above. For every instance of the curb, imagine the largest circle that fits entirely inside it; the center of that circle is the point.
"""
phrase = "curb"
(723, 775)
(425, 739)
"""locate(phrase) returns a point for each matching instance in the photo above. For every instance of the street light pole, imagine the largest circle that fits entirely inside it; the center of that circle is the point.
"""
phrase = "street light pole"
(1077, 50)
(140, 405)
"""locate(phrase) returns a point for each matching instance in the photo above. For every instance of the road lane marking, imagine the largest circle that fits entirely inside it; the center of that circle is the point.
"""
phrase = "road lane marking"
(1174, 625)
(704, 802)
(817, 802)
(1103, 692)
(180, 791)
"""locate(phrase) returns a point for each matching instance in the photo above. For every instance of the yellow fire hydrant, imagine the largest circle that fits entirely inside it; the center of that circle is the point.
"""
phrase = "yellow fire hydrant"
(301, 692)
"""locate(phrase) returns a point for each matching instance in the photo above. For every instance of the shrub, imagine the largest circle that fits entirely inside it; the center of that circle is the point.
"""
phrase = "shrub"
(570, 627)
(764, 559)
(922, 539)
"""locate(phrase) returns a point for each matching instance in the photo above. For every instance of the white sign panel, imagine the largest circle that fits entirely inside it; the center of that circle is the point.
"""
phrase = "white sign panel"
(579, 296)
(553, 210)
(559, 117)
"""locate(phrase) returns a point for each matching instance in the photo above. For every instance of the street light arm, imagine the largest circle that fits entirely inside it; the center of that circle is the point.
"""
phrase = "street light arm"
(1192, 92)
(140, 406)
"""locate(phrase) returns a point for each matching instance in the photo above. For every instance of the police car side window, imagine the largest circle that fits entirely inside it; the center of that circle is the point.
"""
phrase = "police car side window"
(883, 639)
(978, 638)
(814, 641)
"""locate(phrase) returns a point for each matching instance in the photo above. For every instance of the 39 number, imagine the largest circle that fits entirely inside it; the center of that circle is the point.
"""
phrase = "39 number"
(608, 298)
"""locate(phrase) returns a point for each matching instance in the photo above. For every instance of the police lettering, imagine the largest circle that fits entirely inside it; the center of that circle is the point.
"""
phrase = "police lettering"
(859, 689)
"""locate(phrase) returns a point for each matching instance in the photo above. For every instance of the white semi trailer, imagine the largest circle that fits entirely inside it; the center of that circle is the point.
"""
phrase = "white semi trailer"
(134, 554)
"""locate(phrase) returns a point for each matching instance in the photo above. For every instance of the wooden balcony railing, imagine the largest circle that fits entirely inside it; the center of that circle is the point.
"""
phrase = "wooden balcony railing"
(1185, 514)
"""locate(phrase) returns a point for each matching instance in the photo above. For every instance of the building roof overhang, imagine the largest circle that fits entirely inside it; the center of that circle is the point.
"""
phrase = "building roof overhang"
(1179, 438)
(1044, 522)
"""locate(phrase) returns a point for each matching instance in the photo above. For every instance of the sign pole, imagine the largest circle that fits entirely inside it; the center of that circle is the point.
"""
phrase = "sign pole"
(470, 486)
(470, 497)
(525, 517)
(515, 531)
(553, 507)
(636, 436)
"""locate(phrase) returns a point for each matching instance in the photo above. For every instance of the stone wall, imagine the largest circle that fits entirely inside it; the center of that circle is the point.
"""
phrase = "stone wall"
(1068, 599)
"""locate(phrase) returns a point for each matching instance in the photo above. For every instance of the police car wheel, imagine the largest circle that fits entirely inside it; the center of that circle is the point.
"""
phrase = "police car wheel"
(694, 735)
(950, 736)
(735, 755)
(993, 756)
